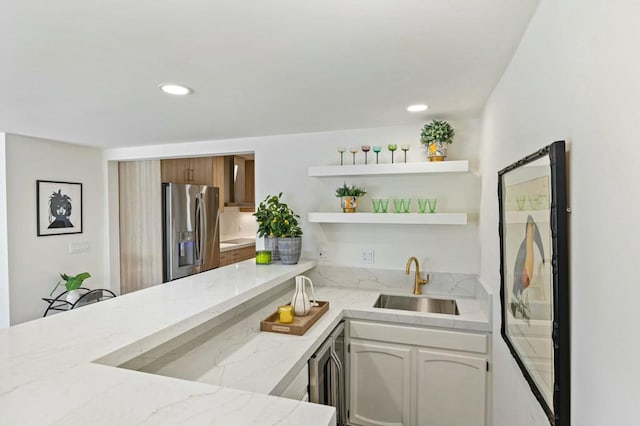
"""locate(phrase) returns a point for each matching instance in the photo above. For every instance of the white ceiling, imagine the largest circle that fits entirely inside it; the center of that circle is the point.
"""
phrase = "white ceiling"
(87, 71)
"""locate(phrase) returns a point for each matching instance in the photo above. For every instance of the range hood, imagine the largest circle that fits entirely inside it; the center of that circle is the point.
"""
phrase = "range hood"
(239, 180)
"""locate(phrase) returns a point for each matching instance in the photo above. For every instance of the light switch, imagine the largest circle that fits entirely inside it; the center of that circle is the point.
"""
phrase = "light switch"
(79, 247)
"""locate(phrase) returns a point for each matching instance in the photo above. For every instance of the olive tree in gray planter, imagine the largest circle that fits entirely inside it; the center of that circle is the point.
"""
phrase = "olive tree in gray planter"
(278, 223)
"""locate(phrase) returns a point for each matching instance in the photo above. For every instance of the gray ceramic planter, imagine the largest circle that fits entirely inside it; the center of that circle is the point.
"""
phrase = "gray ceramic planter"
(271, 244)
(290, 249)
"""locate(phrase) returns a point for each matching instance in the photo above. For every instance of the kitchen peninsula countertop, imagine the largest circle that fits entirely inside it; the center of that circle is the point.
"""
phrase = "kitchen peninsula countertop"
(46, 360)
(243, 357)
(48, 374)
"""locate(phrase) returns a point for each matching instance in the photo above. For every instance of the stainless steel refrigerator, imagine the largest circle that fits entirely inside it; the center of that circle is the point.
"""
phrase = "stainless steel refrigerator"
(191, 229)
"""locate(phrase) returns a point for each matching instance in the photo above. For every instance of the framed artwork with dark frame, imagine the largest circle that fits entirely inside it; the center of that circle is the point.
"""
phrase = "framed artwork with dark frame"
(534, 275)
(59, 208)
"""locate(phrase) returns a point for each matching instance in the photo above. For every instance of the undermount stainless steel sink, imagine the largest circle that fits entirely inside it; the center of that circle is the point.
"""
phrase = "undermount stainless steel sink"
(417, 304)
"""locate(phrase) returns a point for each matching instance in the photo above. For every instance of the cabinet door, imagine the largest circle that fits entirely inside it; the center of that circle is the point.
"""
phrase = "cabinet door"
(140, 225)
(218, 180)
(380, 384)
(201, 171)
(249, 181)
(450, 389)
(175, 170)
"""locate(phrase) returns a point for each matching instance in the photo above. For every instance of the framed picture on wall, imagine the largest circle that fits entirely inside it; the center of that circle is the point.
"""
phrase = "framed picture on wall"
(59, 207)
(534, 275)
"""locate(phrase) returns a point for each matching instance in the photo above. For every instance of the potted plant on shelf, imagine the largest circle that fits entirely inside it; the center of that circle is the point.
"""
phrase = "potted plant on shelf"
(349, 197)
(436, 135)
(278, 224)
(72, 284)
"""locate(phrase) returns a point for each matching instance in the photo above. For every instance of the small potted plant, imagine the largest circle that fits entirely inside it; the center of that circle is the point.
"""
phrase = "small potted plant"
(72, 284)
(278, 224)
(436, 135)
(349, 197)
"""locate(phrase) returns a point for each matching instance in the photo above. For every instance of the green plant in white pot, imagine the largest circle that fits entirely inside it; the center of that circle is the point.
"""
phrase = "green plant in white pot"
(436, 136)
(72, 284)
(349, 196)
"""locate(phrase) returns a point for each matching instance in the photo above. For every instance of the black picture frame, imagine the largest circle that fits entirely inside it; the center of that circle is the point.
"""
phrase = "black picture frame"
(534, 275)
(64, 216)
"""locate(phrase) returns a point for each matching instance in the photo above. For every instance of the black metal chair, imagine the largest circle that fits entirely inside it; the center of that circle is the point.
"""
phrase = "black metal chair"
(60, 303)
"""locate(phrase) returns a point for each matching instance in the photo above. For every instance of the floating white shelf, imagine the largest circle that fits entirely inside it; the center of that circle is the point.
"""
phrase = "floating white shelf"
(392, 218)
(459, 166)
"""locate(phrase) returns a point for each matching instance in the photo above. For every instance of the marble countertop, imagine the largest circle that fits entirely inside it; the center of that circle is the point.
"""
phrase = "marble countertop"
(48, 374)
(236, 243)
(42, 362)
(242, 357)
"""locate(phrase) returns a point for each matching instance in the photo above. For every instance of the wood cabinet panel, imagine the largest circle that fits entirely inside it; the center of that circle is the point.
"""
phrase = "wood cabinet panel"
(201, 171)
(195, 171)
(140, 225)
(249, 181)
(218, 179)
(175, 170)
(229, 257)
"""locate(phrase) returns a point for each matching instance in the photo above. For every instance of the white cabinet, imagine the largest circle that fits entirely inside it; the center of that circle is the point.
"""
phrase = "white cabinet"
(451, 389)
(380, 377)
(416, 376)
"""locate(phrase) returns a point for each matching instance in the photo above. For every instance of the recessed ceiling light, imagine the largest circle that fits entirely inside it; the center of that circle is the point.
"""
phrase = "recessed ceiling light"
(175, 89)
(417, 108)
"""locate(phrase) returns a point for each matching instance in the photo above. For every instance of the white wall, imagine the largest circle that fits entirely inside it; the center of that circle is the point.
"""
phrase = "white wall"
(281, 165)
(4, 262)
(575, 76)
(34, 262)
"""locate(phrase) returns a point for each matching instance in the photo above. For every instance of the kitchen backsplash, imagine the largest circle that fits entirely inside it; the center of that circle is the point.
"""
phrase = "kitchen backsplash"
(396, 281)
(236, 224)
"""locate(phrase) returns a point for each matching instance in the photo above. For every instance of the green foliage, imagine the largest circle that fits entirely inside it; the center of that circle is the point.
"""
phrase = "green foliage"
(276, 219)
(437, 131)
(350, 191)
(72, 282)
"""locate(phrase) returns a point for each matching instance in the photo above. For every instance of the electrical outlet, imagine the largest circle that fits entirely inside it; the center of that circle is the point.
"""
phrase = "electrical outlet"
(367, 257)
(323, 255)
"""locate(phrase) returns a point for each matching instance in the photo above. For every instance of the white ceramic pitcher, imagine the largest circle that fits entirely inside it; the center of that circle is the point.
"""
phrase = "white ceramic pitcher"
(300, 301)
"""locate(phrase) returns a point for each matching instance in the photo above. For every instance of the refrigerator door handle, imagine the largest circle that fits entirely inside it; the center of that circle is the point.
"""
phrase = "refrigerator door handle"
(198, 232)
(203, 249)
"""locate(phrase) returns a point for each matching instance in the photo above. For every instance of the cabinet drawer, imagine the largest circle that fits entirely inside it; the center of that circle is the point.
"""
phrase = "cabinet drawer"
(237, 255)
(248, 252)
(224, 258)
(417, 336)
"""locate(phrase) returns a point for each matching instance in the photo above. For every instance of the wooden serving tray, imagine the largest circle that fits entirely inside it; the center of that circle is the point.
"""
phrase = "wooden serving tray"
(299, 326)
